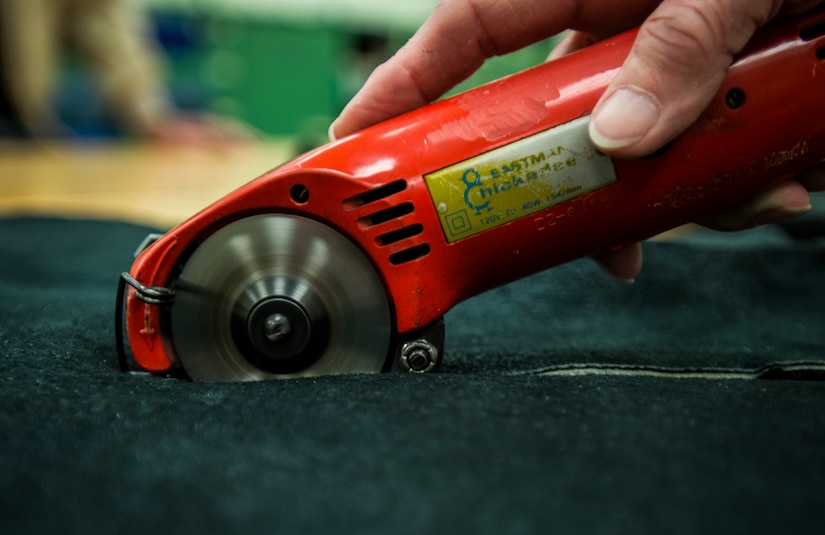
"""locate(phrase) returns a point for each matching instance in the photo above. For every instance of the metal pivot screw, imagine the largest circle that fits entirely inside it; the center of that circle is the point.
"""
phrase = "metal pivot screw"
(419, 356)
(277, 327)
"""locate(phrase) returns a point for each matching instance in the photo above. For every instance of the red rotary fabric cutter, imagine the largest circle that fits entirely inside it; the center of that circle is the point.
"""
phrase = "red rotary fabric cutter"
(345, 259)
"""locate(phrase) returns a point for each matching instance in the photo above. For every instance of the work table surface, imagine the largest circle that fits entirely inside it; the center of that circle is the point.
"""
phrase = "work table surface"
(154, 184)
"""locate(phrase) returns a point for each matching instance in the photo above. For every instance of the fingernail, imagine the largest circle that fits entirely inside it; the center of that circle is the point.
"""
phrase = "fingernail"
(624, 118)
(331, 132)
(780, 214)
(606, 269)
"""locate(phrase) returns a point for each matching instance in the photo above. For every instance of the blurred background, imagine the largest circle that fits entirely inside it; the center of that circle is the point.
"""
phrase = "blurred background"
(129, 109)
(277, 71)
(284, 67)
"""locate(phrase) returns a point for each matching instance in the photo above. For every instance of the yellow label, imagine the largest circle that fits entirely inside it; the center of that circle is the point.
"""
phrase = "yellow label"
(519, 179)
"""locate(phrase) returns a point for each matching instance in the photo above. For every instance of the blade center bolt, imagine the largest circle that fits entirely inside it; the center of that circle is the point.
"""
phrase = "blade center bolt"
(277, 327)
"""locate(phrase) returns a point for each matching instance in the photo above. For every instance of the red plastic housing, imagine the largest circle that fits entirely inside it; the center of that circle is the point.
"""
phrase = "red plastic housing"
(734, 150)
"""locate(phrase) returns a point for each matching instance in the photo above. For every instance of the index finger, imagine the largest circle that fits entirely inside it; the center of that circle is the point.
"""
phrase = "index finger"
(460, 35)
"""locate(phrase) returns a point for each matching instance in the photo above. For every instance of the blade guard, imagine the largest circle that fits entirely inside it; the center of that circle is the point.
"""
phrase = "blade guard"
(387, 188)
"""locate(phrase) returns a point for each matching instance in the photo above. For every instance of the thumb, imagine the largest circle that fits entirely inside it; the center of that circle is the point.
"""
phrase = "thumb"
(675, 67)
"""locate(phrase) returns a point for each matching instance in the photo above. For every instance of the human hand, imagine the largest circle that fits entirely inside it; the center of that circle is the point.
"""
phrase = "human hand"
(681, 44)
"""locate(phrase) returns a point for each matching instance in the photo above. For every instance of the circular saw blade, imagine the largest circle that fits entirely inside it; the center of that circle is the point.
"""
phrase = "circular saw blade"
(277, 295)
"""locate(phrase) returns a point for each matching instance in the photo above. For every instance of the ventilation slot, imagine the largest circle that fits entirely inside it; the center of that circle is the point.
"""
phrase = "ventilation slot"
(376, 194)
(820, 52)
(408, 255)
(388, 215)
(400, 234)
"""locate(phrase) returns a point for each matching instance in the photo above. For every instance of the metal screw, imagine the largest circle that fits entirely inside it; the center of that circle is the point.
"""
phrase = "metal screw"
(299, 194)
(418, 360)
(277, 327)
(735, 98)
(419, 356)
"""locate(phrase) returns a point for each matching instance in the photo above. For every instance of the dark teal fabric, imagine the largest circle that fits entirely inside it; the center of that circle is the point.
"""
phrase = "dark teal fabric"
(505, 439)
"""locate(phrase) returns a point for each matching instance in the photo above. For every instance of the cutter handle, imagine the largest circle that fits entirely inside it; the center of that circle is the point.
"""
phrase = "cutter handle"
(547, 197)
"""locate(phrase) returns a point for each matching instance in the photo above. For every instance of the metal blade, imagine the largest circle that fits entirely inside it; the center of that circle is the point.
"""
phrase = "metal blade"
(277, 295)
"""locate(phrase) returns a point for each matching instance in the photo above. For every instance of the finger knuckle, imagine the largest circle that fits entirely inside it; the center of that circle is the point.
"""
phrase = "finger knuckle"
(697, 34)
(685, 34)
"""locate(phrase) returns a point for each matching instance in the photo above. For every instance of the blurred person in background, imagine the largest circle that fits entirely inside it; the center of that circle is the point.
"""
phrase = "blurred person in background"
(110, 38)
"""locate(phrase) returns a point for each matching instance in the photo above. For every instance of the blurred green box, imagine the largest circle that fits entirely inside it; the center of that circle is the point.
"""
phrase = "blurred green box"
(290, 74)
(279, 78)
